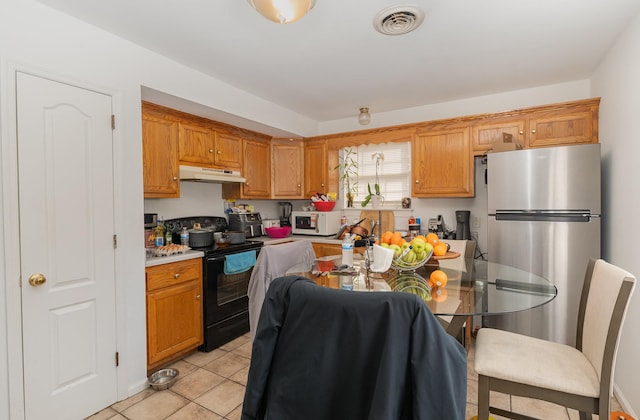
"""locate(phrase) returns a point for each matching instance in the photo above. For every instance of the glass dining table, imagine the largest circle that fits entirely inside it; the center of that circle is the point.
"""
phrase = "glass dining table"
(474, 288)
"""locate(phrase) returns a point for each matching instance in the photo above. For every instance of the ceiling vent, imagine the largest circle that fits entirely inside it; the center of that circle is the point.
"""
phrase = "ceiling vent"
(398, 20)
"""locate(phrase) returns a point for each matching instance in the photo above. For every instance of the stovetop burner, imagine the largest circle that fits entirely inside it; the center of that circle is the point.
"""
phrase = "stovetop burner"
(216, 224)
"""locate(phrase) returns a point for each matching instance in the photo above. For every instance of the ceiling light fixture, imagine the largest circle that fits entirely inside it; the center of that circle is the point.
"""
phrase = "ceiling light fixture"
(364, 118)
(282, 11)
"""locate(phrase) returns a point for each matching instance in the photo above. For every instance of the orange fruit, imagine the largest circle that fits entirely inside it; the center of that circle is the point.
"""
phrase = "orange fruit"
(386, 237)
(432, 238)
(440, 249)
(397, 239)
(438, 278)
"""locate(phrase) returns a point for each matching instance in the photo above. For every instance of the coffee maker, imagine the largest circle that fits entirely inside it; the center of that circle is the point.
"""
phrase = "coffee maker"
(285, 213)
(462, 230)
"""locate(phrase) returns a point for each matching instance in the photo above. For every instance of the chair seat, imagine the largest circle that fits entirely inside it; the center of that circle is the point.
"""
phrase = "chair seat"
(527, 360)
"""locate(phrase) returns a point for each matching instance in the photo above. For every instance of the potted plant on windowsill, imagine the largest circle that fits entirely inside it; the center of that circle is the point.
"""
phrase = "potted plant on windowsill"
(375, 196)
(349, 174)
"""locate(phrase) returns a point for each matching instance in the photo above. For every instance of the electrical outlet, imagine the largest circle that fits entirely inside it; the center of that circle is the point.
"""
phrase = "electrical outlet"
(475, 223)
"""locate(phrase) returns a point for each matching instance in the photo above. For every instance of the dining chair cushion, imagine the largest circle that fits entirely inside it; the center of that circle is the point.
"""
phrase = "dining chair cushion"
(536, 362)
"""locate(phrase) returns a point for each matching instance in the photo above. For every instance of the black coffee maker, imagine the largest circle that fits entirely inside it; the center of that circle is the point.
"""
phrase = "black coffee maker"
(463, 230)
(285, 213)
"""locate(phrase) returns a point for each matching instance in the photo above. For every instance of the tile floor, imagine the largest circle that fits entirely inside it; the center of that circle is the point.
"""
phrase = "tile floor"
(211, 386)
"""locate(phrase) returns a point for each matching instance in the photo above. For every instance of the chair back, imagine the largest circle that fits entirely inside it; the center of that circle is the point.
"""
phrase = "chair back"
(273, 262)
(603, 305)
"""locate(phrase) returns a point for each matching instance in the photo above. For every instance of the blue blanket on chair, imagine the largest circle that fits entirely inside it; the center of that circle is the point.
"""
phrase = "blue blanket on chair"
(240, 262)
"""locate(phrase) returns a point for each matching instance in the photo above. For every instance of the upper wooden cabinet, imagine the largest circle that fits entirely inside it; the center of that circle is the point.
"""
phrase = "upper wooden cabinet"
(200, 145)
(484, 132)
(549, 125)
(228, 151)
(315, 168)
(575, 123)
(196, 145)
(257, 172)
(442, 162)
(287, 166)
(160, 171)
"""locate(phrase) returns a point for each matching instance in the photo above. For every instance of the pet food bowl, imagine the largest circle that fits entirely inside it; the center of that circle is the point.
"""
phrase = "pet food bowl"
(163, 379)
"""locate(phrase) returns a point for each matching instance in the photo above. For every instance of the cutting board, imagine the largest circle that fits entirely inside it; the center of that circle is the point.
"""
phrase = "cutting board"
(388, 220)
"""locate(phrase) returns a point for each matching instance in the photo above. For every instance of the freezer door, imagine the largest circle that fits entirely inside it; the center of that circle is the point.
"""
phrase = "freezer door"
(554, 178)
(556, 250)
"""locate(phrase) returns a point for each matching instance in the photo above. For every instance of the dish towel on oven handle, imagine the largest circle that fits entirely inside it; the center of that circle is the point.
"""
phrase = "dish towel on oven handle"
(240, 262)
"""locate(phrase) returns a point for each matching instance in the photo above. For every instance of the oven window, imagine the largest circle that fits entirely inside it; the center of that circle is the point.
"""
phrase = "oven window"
(232, 286)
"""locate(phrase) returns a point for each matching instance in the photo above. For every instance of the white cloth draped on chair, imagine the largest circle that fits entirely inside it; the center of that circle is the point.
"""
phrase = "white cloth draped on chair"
(273, 262)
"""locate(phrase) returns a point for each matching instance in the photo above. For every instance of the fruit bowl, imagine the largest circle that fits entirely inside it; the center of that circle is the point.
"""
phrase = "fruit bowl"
(277, 232)
(324, 205)
(408, 264)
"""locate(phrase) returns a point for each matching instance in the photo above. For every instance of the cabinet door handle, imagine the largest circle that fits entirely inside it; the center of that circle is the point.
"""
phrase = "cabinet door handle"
(521, 132)
(210, 150)
(175, 178)
(417, 181)
(177, 275)
(219, 152)
(533, 131)
(197, 297)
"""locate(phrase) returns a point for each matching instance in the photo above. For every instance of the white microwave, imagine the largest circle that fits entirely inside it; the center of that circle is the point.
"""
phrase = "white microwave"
(321, 223)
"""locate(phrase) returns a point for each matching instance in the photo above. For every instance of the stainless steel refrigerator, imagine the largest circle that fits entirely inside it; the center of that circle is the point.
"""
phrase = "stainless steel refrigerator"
(544, 217)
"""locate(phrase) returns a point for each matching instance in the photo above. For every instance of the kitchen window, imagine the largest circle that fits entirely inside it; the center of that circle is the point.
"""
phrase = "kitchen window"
(394, 172)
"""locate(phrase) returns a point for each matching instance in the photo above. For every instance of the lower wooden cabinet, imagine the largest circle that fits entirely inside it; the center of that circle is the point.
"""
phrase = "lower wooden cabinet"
(174, 310)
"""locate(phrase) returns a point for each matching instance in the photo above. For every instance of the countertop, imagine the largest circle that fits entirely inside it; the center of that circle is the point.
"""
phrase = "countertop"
(152, 261)
(313, 238)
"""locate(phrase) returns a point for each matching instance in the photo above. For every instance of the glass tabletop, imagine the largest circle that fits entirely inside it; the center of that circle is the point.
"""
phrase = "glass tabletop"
(474, 287)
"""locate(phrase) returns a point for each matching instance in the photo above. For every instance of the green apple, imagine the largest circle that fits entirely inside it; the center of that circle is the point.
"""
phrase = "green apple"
(428, 247)
(396, 249)
(405, 245)
(384, 245)
(418, 245)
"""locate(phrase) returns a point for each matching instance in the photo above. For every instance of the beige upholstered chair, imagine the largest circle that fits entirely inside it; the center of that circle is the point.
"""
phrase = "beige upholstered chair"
(580, 378)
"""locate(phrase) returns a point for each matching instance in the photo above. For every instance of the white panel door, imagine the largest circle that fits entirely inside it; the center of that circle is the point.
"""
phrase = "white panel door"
(65, 164)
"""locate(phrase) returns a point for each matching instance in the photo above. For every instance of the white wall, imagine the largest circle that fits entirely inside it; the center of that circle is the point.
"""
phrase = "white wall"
(616, 81)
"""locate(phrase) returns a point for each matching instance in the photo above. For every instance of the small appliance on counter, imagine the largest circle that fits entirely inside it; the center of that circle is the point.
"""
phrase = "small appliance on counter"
(250, 223)
(285, 213)
(462, 230)
(321, 223)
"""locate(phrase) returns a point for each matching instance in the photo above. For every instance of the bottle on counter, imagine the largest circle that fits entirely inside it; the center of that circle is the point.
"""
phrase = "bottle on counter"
(160, 233)
(347, 251)
(184, 237)
(168, 237)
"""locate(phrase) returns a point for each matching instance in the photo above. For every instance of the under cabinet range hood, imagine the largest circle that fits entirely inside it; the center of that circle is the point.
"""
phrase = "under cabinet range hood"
(218, 176)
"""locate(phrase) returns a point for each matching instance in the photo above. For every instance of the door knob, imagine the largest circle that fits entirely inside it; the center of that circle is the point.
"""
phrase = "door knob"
(37, 279)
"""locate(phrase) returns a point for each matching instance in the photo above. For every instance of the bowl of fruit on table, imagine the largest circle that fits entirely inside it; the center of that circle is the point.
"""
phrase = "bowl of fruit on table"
(408, 254)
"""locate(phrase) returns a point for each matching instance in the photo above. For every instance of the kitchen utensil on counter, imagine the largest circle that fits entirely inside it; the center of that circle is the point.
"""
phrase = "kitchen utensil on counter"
(249, 223)
(353, 229)
(462, 229)
(285, 213)
(278, 231)
(200, 238)
(236, 237)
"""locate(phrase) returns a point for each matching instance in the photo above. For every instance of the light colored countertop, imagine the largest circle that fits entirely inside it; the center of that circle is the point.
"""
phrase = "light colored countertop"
(313, 238)
(152, 261)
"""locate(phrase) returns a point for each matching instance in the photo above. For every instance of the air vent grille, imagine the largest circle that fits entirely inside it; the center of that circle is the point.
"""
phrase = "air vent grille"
(398, 20)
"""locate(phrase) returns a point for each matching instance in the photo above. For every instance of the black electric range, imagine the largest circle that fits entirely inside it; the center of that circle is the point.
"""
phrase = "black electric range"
(225, 301)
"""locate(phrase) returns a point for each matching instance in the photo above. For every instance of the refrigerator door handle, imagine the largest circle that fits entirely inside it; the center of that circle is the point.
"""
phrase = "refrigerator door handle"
(545, 216)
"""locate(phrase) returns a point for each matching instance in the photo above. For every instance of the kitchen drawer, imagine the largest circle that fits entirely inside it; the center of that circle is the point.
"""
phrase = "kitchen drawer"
(164, 275)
